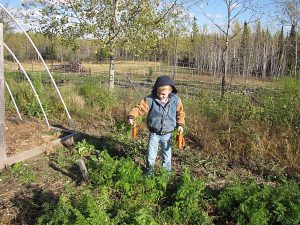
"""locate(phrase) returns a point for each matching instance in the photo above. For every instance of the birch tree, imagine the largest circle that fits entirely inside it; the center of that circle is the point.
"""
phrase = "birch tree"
(291, 16)
(7, 22)
(110, 23)
(234, 8)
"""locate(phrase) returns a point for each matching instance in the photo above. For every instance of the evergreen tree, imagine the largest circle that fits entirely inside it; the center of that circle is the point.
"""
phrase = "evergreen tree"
(195, 42)
(280, 44)
(244, 49)
(49, 53)
(195, 31)
(291, 56)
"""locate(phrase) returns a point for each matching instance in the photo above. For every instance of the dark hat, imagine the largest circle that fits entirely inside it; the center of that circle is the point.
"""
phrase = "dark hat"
(164, 81)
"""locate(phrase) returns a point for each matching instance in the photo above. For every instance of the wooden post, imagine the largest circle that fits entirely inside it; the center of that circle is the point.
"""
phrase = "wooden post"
(83, 170)
(2, 100)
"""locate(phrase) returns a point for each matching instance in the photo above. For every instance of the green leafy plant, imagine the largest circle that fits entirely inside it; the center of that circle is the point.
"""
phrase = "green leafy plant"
(119, 193)
(84, 148)
(249, 203)
(63, 157)
(33, 109)
(96, 97)
(188, 202)
(23, 173)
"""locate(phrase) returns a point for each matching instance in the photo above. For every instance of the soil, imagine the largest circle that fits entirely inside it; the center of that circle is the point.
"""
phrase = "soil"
(23, 135)
(20, 135)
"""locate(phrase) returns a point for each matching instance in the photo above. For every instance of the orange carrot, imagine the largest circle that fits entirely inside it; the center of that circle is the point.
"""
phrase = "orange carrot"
(133, 132)
(180, 140)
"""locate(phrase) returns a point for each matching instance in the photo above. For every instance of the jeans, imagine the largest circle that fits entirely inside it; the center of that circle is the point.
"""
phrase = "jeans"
(165, 142)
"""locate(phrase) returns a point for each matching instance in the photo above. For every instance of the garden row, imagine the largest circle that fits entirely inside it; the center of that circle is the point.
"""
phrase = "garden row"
(119, 193)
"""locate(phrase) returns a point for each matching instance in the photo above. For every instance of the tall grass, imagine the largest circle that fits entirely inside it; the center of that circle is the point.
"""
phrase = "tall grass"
(260, 130)
(82, 99)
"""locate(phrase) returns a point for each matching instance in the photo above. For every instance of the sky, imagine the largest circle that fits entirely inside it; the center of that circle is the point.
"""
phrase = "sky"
(264, 10)
(216, 11)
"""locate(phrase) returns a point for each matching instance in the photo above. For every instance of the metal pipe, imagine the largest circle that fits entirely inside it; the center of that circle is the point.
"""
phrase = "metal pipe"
(13, 100)
(3, 148)
(47, 69)
(29, 80)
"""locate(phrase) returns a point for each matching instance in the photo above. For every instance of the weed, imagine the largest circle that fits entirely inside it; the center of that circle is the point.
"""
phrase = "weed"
(24, 174)
(63, 157)
(84, 148)
(96, 98)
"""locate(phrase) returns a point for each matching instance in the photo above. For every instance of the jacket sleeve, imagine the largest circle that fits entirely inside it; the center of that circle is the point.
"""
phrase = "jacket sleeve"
(180, 114)
(139, 109)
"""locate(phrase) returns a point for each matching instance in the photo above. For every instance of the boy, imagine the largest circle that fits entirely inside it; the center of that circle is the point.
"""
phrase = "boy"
(165, 113)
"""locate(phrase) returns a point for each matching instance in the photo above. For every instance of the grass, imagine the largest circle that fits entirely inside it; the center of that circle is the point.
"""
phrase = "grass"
(143, 68)
(262, 134)
(259, 129)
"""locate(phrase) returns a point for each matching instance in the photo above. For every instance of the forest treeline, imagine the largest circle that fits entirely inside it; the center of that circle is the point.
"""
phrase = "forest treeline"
(254, 50)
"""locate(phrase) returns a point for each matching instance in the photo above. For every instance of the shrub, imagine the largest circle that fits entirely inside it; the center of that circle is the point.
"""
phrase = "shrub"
(120, 194)
(97, 97)
(261, 130)
(249, 203)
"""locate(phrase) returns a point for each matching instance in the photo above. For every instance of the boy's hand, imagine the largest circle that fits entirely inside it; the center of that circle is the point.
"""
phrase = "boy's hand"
(130, 121)
(180, 129)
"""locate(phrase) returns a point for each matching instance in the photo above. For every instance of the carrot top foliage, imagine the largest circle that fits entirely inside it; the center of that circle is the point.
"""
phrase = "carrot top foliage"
(119, 193)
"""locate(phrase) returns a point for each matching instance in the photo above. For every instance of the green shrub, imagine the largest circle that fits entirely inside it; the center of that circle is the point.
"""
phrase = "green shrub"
(97, 97)
(82, 208)
(187, 202)
(120, 194)
(249, 203)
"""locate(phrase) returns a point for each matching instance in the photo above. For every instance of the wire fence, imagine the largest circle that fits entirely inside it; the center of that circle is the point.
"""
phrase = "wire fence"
(133, 79)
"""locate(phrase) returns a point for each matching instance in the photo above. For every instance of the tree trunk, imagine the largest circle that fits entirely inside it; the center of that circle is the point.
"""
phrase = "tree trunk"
(225, 63)
(175, 60)
(296, 54)
(112, 32)
(61, 55)
(111, 73)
